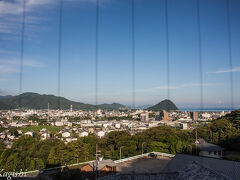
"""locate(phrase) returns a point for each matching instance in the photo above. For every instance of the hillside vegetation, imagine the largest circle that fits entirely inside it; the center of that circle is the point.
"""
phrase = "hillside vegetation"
(166, 105)
(37, 101)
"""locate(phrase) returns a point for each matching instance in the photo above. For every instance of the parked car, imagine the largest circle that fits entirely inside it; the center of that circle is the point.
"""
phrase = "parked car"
(153, 155)
(41, 171)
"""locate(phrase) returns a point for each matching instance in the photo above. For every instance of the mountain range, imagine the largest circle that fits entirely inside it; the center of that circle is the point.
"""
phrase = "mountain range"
(38, 101)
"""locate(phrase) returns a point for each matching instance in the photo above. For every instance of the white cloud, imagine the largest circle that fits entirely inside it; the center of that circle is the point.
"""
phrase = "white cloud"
(11, 14)
(29, 63)
(178, 86)
(16, 7)
(4, 69)
(10, 66)
(237, 69)
(3, 51)
(4, 92)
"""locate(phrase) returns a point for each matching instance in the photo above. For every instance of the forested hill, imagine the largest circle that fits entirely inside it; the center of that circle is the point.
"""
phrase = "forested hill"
(224, 131)
(37, 101)
(166, 105)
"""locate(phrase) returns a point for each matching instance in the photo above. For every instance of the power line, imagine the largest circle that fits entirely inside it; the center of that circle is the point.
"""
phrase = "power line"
(230, 51)
(59, 51)
(22, 52)
(200, 54)
(133, 54)
(167, 49)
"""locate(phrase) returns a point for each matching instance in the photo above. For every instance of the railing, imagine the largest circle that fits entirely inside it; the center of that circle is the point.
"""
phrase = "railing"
(59, 167)
(143, 155)
(117, 161)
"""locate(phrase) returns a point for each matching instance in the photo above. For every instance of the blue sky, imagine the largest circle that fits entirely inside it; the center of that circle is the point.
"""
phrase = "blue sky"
(115, 64)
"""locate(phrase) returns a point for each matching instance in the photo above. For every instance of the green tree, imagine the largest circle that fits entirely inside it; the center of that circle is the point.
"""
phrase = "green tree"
(157, 147)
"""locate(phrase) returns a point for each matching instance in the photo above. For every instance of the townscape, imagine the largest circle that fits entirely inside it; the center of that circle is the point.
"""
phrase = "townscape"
(68, 125)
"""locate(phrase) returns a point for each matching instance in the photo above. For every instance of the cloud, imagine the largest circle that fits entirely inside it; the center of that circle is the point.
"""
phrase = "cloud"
(3, 51)
(11, 15)
(15, 7)
(237, 69)
(4, 92)
(29, 63)
(8, 69)
(10, 66)
(178, 86)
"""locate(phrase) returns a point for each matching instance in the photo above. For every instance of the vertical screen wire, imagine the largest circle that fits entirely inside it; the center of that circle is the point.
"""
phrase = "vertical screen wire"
(96, 51)
(200, 62)
(22, 53)
(133, 54)
(230, 51)
(59, 51)
(167, 49)
(200, 54)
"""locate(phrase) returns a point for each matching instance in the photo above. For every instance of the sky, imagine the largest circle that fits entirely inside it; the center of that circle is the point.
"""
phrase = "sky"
(41, 41)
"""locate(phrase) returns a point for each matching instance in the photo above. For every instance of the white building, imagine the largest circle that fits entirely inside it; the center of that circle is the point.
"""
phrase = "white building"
(82, 134)
(2, 136)
(183, 125)
(66, 134)
(117, 126)
(58, 123)
(144, 116)
(30, 133)
(101, 134)
(45, 136)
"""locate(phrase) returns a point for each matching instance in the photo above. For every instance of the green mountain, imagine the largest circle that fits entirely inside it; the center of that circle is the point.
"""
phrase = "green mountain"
(166, 105)
(111, 106)
(4, 106)
(3, 97)
(37, 101)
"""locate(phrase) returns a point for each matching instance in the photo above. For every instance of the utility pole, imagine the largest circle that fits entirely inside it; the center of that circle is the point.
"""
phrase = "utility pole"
(142, 146)
(96, 164)
(196, 140)
(48, 112)
(190, 148)
(211, 136)
(121, 152)
(96, 152)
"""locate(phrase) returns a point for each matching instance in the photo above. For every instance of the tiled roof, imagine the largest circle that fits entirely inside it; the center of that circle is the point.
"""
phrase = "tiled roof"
(205, 146)
(103, 163)
(158, 176)
(193, 171)
(226, 168)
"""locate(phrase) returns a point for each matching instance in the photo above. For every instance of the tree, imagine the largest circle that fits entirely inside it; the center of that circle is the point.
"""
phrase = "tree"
(157, 147)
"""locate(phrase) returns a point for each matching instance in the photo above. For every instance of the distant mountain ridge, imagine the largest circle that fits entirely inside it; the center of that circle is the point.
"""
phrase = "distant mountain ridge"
(4, 97)
(111, 106)
(166, 105)
(37, 101)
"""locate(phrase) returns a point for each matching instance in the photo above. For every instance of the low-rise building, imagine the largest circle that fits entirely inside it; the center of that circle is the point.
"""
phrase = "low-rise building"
(208, 149)
(30, 133)
(66, 134)
(100, 134)
(82, 134)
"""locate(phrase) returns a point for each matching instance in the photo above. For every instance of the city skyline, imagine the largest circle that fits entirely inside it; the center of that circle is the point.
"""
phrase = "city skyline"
(115, 62)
